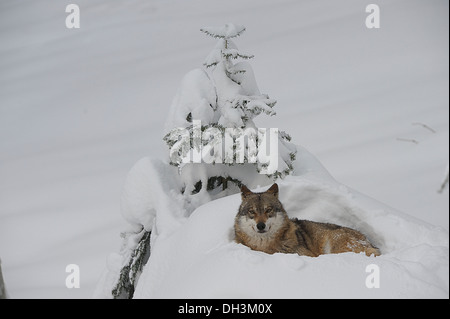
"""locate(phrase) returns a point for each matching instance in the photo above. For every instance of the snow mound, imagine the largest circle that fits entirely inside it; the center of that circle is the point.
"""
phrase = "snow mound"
(150, 188)
(195, 96)
(198, 258)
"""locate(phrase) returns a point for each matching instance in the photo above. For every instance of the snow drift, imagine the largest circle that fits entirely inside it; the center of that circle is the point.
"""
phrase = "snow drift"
(192, 250)
(195, 256)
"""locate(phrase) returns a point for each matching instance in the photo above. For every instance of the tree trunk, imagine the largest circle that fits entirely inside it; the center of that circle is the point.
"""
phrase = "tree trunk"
(224, 183)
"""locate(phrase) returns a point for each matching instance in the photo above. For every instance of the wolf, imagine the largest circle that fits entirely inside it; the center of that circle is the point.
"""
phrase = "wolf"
(262, 224)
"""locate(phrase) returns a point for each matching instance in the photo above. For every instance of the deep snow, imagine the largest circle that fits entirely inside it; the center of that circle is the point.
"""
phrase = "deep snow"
(195, 256)
(80, 107)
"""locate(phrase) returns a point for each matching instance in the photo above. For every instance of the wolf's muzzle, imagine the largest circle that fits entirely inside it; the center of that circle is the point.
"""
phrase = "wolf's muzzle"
(261, 226)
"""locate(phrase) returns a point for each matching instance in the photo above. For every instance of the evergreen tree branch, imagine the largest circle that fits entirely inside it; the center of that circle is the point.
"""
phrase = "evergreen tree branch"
(228, 31)
(129, 274)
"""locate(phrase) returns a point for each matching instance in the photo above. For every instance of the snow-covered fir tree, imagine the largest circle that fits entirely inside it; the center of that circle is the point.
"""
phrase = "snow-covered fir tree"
(214, 143)
(211, 132)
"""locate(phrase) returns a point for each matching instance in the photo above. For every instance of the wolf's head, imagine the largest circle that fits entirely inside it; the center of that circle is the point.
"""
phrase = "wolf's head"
(260, 213)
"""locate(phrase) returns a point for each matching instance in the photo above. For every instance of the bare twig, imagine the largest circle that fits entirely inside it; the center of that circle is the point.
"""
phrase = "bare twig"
(407, 140)
(425, 126)
(444, 182)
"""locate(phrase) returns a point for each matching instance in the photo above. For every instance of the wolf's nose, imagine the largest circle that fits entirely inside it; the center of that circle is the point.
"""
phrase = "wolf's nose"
(261, 226)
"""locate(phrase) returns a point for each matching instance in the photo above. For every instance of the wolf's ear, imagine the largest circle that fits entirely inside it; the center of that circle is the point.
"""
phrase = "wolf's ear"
(273, 190)
(245, 191)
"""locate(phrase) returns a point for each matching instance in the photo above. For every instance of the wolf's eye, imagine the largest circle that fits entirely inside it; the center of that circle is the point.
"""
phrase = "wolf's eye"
(270, 212)
(251, 214)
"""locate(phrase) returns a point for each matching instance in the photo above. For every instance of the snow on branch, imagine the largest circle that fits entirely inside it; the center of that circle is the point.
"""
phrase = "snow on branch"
(234, 54)
(227, 31)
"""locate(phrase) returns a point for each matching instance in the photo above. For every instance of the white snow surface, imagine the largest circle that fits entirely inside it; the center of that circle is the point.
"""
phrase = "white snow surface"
(195, 256)
(79, 108)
